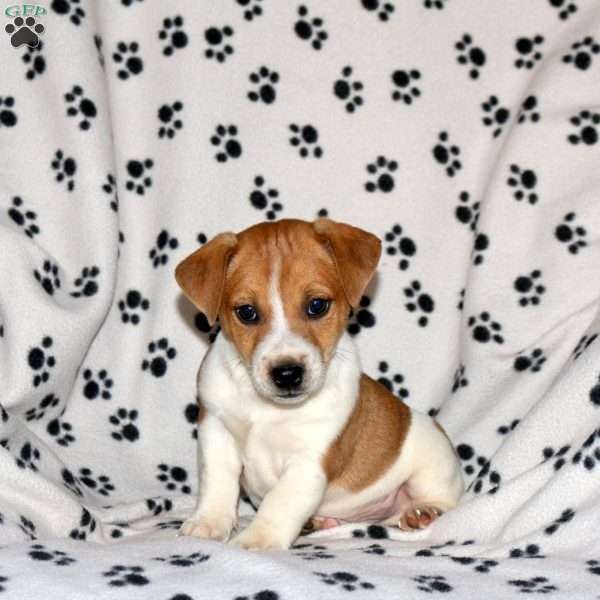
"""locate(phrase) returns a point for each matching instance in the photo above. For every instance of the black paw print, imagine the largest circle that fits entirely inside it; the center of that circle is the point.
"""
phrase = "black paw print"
(565, 8)
(529, 53)
(169, 123)
(404, 88)
(506, 429)
(86, 283)
(532, 361)
(202, 325)
(557, 455)
(566, 516)
(480, 244)
(140, 181)
(467, 212)
(362, 317)
(157, 365)
(419, 301)
(529, 551)
(61, 430)
(97, 388)
(174, 478)
(34, 60)
(261, 196)
(447, 154)
(159, 254)
(56, 557)
(172, 32)
(100, 484)
(397, 243)
(432, 583)
(461, 299)
(8, 117)
(348, 91)
(574, 236)
(122, 576)
(470, 55)
(65, 168)
(27, 527)
(529, 111)
(40, 361)
(252, 8)
(127, 59)
(484, 329)
(124, 421)
(100, 53)
(178, 560)
(523, 181)
(582, 53)
(382, 8)
(70, 8)
(27, 457)
(460, 379)
(583, 344)
(132, 306)
(529, 288)
(218, 46)
(479, 466)
(587, 123)
(87, 525)
(81, 107)
(382, 168)
(305, 138)
(495, 115)
(375, 532)
(437, 4)
(48, 277)
(535, 585)
(588, 455)
(311, 552)
(310, 29)
(71, 482)
(265, 81)
(158, 504)
(38, 412)
(225, 139)
(396, 381)
(24, 32)
(191, 413)
(110, 188)
(347, 581)
(23, 218)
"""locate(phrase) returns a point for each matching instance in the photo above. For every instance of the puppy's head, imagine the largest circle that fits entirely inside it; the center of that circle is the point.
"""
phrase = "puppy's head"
(282, 292)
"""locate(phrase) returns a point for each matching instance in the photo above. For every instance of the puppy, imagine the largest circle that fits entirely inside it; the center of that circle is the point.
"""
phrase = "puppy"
(285, 409)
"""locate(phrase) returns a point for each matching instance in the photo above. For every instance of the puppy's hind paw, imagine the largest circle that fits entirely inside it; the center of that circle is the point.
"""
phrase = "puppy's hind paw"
(217, 528)
(418, 517)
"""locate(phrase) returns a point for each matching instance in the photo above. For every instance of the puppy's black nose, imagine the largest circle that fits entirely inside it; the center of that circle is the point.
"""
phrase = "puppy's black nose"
(287, 376)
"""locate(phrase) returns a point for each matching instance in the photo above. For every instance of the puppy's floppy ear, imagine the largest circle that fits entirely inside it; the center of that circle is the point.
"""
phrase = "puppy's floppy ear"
(355, 252)
(201, 275)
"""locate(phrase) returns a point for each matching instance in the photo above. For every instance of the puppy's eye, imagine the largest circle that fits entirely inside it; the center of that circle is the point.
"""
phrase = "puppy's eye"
(317, 307)
(247, 313)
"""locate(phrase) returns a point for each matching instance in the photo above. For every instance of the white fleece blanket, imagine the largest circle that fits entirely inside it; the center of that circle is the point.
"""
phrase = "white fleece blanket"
(464, 133)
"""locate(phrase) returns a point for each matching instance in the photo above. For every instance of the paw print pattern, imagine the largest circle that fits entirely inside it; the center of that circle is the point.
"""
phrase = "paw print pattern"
(447, 154)
(97, 387)
(100, 53)
(535, 585)
(173, 35)
(529, 111)
(36, 63)
(121, 576)
(529, 551)
(479, 466)
(48, 277)
(467, 212)
(252, 8)
(506, 429)
(564, 8)
(24, 32)
(65, 168)
(81, 107)
(127, 59)
(494, 115)
(310, 29)
(27, 457)
(27, 527)
(470, 55)
(124, 422)
(432, 583)
(69, 8)
(593, 566)
(100, 484)
(262, 196)
(587, 123)
(311, 552)
(8, 117)
(345, 580)
(41, 361)
(110, 187)
(532, 361)
(61, 431)
(159, 254)
(362, 317)
(71, 482)
(348, 91)
(175, 478)
(178, 560)
(158, 505)
(169, 123)
(228, 146)
(523, 181)
(528, 51)
(484, 329)
(566, 516)
(480, 244)
(217, 39)
(404, 89)
(56, 557)
(583, 344)
(265, 82)
(381, 169)
(589, 453)
(437, 4)
(26, 219)
(529, 288)
(383, 9)
(38, 412)
(160, 355)
(306, 138)
(582, 53)
(395, 383)
(131, 307)
(571, 234)
(399, 244)
(558, 456)
(191, 413)
(87, 525)
(374, 532)
(86, 284)
(419, 301)
(460, 379)
(139, 180)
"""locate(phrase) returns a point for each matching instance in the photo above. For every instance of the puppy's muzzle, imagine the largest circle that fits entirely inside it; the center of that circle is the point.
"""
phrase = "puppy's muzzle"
(288, 378)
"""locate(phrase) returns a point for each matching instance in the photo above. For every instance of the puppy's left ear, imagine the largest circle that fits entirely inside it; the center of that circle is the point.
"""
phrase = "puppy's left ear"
(201, 275)
(355, 252)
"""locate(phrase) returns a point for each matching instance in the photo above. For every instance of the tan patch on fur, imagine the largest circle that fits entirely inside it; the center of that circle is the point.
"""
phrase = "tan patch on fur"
(371, 439)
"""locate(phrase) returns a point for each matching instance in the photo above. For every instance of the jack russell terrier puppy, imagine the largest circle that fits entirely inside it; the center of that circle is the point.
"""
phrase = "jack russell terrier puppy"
(285, 410)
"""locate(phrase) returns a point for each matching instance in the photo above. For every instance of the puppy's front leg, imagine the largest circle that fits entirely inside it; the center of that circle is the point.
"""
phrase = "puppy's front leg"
(286, 508)
(220, 467)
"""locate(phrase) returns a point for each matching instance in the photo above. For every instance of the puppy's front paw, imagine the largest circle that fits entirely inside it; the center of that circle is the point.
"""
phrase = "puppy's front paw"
(208, 527)
(260, 537)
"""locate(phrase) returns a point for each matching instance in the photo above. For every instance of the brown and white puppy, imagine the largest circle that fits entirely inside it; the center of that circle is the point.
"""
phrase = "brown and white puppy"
(285, 409)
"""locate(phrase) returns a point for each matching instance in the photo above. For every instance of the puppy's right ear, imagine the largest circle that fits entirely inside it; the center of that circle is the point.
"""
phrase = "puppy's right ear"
(201, 275)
